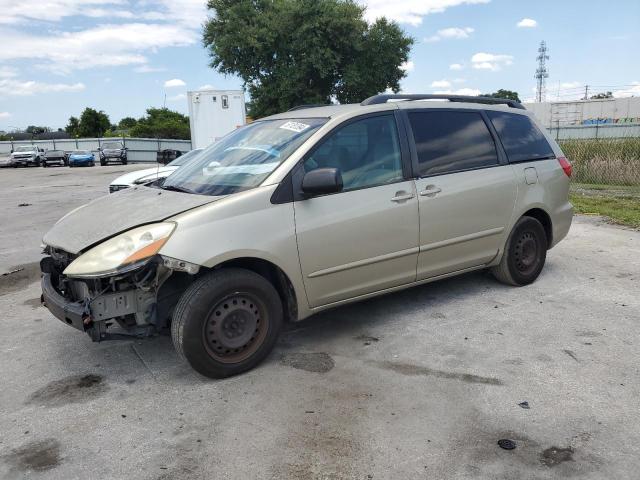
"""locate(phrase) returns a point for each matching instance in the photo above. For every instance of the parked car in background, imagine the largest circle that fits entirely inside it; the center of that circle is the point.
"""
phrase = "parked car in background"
(167, 156)
(113, 152)
(51, 157)
(82, 158)
(27, 155)
(147, 175)
(307, 210)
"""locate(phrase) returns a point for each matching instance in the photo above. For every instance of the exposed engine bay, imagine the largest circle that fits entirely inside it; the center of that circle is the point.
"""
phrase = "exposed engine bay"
(139, 301)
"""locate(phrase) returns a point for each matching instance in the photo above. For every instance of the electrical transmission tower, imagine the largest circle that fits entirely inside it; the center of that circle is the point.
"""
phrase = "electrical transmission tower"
(541, 72)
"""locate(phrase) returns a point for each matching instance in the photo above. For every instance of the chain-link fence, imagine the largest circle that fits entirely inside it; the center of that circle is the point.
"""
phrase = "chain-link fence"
(604, 161)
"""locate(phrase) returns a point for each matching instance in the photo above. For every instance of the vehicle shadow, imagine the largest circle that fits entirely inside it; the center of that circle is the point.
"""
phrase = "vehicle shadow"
(157, 358)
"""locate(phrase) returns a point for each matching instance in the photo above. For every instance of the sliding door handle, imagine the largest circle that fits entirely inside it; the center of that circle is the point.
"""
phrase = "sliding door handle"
(402, 197)
(430, 191)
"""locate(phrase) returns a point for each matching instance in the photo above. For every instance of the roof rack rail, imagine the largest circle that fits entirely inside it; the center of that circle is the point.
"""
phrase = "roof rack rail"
(377, 99)
(309, 105)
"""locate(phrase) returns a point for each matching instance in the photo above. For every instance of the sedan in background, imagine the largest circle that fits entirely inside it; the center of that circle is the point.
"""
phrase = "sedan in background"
(151, 174)
(82, 158)
(54, 157)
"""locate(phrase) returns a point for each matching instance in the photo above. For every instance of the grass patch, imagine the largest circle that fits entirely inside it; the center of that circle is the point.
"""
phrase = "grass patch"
(623, 210)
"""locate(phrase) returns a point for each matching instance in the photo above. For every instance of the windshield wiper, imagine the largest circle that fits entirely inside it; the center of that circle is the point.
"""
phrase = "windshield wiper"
(173, 188)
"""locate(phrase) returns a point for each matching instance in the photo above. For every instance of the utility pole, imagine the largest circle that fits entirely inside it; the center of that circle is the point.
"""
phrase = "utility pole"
(586, 92)
(541, 72)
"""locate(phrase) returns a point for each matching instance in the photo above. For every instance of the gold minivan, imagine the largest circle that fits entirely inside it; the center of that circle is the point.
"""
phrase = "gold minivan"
(307, 210)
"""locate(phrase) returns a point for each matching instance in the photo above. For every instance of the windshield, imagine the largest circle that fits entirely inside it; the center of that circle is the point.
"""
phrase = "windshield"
(115, 145)
(178, 162)
(244, 158)
(26, 148)
(81, 152)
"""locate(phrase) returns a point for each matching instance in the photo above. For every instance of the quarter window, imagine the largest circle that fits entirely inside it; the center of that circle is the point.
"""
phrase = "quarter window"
(521, 138)
(450, 141)
(367, 153)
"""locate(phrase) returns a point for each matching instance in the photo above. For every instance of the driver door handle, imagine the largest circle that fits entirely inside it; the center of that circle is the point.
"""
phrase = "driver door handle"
(402, 197)
(430, 191)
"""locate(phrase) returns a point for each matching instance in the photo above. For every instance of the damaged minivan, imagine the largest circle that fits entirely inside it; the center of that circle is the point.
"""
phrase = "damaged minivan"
(307, 210)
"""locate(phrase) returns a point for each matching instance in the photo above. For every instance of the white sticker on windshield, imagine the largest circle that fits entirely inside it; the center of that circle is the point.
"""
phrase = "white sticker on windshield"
(295, 126)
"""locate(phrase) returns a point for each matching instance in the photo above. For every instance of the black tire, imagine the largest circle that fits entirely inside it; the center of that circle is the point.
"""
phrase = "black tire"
(38, 162)
(124, 161)
(227, 322)
(44, 164)
(103, 163)
(524, 255)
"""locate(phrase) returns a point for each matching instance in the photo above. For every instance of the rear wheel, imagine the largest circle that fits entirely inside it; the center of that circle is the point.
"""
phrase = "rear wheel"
(227, 322)
(524, 254)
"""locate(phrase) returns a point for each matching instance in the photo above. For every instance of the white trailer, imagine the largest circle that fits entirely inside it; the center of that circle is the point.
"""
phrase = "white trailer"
(213, 114)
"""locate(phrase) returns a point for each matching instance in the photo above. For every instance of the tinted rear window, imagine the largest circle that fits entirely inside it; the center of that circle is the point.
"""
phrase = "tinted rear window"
(521, 138)
(448, 141)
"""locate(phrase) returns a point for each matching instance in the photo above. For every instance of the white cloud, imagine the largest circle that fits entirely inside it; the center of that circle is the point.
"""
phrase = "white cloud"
(490, 61)
(408, 66)
(6, 72)
(474, 92)
(451, 32)
(20, 88)
(5, 114)
(189, 13)
(568, 85)
(106, 45)
(174, 82)
(178, 97)
(527, 23)
(206, 87)
(410, 11)
(440, 84)
(456, 66)
(632, 91)
(148, 69)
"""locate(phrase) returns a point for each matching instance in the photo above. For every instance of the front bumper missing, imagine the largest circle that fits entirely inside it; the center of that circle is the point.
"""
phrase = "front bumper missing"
(71, 313)
(91, 316)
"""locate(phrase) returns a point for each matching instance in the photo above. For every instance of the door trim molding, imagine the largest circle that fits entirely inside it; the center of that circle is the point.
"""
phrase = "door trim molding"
(461, 239)
(362, 263)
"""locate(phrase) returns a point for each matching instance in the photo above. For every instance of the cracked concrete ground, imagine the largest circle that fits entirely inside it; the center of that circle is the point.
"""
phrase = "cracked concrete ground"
(419, 384)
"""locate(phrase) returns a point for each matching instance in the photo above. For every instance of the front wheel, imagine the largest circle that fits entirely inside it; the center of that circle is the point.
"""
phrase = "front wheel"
(227, 322)
(524, 254)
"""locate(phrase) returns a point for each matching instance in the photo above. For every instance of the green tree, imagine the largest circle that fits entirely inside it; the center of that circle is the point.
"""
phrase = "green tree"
(602, 95)
(292, 52)
(73, 127)
(35, 130)
(502, 93)
(162, 123)
(93, 123)
(126, 123)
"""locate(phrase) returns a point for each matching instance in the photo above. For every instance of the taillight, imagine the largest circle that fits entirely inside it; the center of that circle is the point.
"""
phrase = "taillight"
(566, 166)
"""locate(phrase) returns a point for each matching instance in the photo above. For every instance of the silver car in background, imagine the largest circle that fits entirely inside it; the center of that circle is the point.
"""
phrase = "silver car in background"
(147, 175)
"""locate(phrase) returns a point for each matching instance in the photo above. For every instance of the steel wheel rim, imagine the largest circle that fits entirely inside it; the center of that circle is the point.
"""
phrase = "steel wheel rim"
(235, 327)
(526, 253)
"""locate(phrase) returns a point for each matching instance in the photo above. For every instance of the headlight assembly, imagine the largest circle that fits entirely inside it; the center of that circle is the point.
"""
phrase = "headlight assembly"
(121, 253)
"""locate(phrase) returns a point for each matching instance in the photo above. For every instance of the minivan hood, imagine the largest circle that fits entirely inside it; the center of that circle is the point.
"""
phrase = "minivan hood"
(107, 216)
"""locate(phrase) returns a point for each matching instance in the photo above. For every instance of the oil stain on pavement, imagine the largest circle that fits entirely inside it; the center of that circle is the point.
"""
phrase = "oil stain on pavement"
(553, 456)
(38, 456)
(73, 389)
(19, 277)
(310, 362)
(417, 370)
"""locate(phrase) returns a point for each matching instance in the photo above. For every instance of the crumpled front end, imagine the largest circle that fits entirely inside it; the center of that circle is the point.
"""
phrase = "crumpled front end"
(136, 303)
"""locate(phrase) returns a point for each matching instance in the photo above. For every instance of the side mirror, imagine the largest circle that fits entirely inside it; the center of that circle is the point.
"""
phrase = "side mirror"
(322, 181)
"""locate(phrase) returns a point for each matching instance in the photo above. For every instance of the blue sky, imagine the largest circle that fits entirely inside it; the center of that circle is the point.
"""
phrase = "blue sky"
(59, 56)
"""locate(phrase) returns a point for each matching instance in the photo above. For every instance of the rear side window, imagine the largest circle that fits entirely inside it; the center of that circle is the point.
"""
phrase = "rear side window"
(449, 141)
(521, 138)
